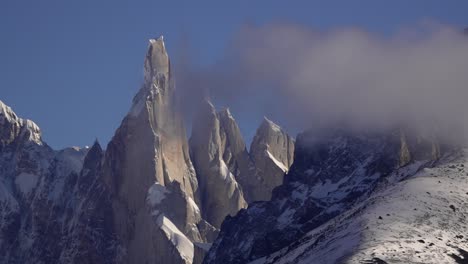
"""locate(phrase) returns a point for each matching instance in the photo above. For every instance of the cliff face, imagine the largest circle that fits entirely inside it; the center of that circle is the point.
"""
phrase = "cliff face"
(149, 173)
(272, 152)
(221, 195)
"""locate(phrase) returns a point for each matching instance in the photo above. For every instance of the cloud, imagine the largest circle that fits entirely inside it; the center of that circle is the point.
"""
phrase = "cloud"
(306, 78)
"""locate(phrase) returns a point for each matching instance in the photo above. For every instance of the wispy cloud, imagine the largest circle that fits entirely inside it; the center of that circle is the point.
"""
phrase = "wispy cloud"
(313, 78)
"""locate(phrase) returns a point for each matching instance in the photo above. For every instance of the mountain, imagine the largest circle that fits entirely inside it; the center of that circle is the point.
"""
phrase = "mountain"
(335, 178)
(149, 176)
(148, 197)
(155, 196)
(36, 185)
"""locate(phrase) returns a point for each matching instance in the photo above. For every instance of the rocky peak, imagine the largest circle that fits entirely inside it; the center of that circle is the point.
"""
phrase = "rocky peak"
(13, 127)
(231, 134)
(236, 156)
(220, 193)
(156, 61)
(146, 161)
(272, 152)
(158, 88)
(271, 136)
(94, 153)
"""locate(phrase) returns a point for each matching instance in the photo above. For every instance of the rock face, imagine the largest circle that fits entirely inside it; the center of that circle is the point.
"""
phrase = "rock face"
(272, 152)
(148, 171)
(330, 174)
(235, 153)
(212, 142)
(217, 142)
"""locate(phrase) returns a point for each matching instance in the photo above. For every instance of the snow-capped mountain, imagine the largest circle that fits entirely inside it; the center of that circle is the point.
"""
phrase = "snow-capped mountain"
(36, 185)
(155, 196)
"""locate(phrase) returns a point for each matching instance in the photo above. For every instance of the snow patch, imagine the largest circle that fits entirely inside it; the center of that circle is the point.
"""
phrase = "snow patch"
(194, 206)
(156, 194)
(183, 245)
(277, 162)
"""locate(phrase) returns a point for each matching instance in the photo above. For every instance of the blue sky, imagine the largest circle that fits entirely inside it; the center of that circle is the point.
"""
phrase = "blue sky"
(74, 66)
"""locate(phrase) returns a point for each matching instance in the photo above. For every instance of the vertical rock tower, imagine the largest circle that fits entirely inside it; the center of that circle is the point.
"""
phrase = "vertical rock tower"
(272, 151)
(221, 194)
(150, 176)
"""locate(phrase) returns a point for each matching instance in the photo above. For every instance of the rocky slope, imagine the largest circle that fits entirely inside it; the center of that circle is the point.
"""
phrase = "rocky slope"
(330, 174)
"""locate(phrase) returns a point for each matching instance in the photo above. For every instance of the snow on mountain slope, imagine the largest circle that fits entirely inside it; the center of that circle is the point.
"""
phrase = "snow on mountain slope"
(183, 245)
(421, 219)
(330, 174)
(36, 183)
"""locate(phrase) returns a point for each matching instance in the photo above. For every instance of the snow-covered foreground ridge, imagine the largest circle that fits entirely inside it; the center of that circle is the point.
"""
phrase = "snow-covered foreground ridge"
(357, 198)
(420, 219)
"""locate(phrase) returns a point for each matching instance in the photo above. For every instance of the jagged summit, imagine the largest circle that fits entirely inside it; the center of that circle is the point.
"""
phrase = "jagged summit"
(157, 85)
(96, 146)
(13, 127)
(157, 60)
(272, 151)
(270, 136)
(268, 124)
(6, 111)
